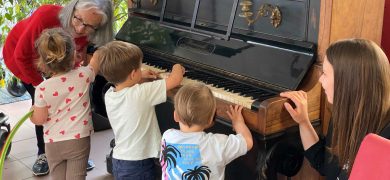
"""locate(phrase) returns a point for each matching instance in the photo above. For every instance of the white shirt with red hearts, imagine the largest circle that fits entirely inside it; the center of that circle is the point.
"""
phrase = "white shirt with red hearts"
(67, 99)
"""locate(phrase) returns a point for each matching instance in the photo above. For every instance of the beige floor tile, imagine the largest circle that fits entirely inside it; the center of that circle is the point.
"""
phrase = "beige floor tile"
(100, 147)
(23, 133)
(16, 110)
(28, 161)
(16, 171)
(10, 158)
(24, 148)
(100, 174)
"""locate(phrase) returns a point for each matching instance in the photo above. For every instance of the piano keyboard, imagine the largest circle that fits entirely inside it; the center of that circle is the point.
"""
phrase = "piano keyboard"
(224, 89)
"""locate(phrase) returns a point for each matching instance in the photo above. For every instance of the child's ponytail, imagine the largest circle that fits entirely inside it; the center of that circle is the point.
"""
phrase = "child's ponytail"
(56, 51)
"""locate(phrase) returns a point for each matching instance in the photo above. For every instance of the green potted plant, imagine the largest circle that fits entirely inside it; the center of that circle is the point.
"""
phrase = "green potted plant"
(15, 87)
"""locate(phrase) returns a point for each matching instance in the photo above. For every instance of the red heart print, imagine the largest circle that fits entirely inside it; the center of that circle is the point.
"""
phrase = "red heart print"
(41, 96)
(85, 122)
(48, 119)
(55, 93)
(81, 75)
(63, 79)
(48, 107)
(87, 80)
(62, 132)
(71, 88)
(47, 132)
(68, 109)
(59, 111)
(73, 118)
(67, 100)
(85, 104)
(80, 94)
(42, 88)
(77, 136)
(51, 140)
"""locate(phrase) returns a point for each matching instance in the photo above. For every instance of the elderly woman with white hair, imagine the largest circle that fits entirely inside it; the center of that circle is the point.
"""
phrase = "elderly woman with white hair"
(88, 21)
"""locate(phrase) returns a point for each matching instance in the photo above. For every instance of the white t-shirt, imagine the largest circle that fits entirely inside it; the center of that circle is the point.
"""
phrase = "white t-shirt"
(67, 99)
(133, 119)
(198, 154)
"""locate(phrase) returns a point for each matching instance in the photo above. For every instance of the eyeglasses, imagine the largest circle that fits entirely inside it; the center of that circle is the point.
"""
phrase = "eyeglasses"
(78, 22)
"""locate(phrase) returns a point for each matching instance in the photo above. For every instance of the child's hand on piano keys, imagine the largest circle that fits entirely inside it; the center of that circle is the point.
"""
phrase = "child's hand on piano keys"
(235, 114)
(175, 77)
(299, 113)
(149, 74)
(178, 68)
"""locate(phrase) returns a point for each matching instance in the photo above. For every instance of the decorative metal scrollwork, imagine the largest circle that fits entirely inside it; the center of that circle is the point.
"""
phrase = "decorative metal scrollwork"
(265, 10)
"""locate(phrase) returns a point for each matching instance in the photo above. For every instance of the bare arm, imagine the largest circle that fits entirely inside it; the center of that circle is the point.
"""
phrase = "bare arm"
(300, 115)
(176, 76)
(148, 75)
(94, 63)
(39, 115)
(239, 124)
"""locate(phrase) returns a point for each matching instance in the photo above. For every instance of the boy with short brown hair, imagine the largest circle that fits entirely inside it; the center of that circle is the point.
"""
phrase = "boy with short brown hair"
(130, 108)
(190, 150)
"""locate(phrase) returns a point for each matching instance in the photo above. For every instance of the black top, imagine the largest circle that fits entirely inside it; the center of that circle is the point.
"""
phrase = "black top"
(325, 162)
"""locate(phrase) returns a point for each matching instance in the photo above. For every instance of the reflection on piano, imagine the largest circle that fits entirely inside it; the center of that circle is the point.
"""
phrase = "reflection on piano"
(245, 65)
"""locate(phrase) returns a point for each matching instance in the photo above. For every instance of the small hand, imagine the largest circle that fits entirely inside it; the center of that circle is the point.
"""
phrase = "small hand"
(178, 67)
(299, 98)
(80, 57)
(235, 114)
(149, 74)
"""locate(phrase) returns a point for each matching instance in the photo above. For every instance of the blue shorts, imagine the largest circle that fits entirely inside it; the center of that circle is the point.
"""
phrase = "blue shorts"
(134, 170)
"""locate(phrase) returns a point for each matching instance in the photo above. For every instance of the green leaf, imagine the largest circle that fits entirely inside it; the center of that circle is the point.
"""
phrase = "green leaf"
(17, 8)
(8, 16)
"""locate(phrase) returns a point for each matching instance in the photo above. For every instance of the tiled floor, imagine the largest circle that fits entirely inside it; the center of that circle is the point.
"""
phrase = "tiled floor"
(23, 153)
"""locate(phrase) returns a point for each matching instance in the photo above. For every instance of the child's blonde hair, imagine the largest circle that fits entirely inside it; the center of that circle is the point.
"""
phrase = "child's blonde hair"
(195, 104)
(56, 51)
(118, 59)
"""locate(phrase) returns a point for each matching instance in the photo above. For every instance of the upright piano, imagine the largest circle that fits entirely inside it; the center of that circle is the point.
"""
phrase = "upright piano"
(247, 52)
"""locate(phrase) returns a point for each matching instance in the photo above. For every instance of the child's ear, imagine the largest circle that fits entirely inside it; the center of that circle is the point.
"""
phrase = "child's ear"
(211, 122)
(176, 116)
(133, 74)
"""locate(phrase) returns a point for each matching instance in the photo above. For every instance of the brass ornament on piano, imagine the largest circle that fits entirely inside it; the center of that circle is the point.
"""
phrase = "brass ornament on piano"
(264, 11)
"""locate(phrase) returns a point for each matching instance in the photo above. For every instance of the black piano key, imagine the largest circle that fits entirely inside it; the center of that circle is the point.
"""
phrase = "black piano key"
(218, 82)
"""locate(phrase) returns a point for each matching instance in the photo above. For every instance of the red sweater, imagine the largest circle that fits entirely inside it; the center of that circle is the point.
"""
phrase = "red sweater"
(19, 51)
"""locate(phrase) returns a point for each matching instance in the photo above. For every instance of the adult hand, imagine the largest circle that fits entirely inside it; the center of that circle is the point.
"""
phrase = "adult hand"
(299, 113)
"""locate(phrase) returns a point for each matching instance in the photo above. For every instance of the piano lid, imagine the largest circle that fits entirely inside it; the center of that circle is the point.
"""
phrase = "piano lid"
(278, 67)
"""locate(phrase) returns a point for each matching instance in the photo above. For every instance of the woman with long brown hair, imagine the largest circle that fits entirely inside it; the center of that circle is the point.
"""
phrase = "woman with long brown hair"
(356, 81)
